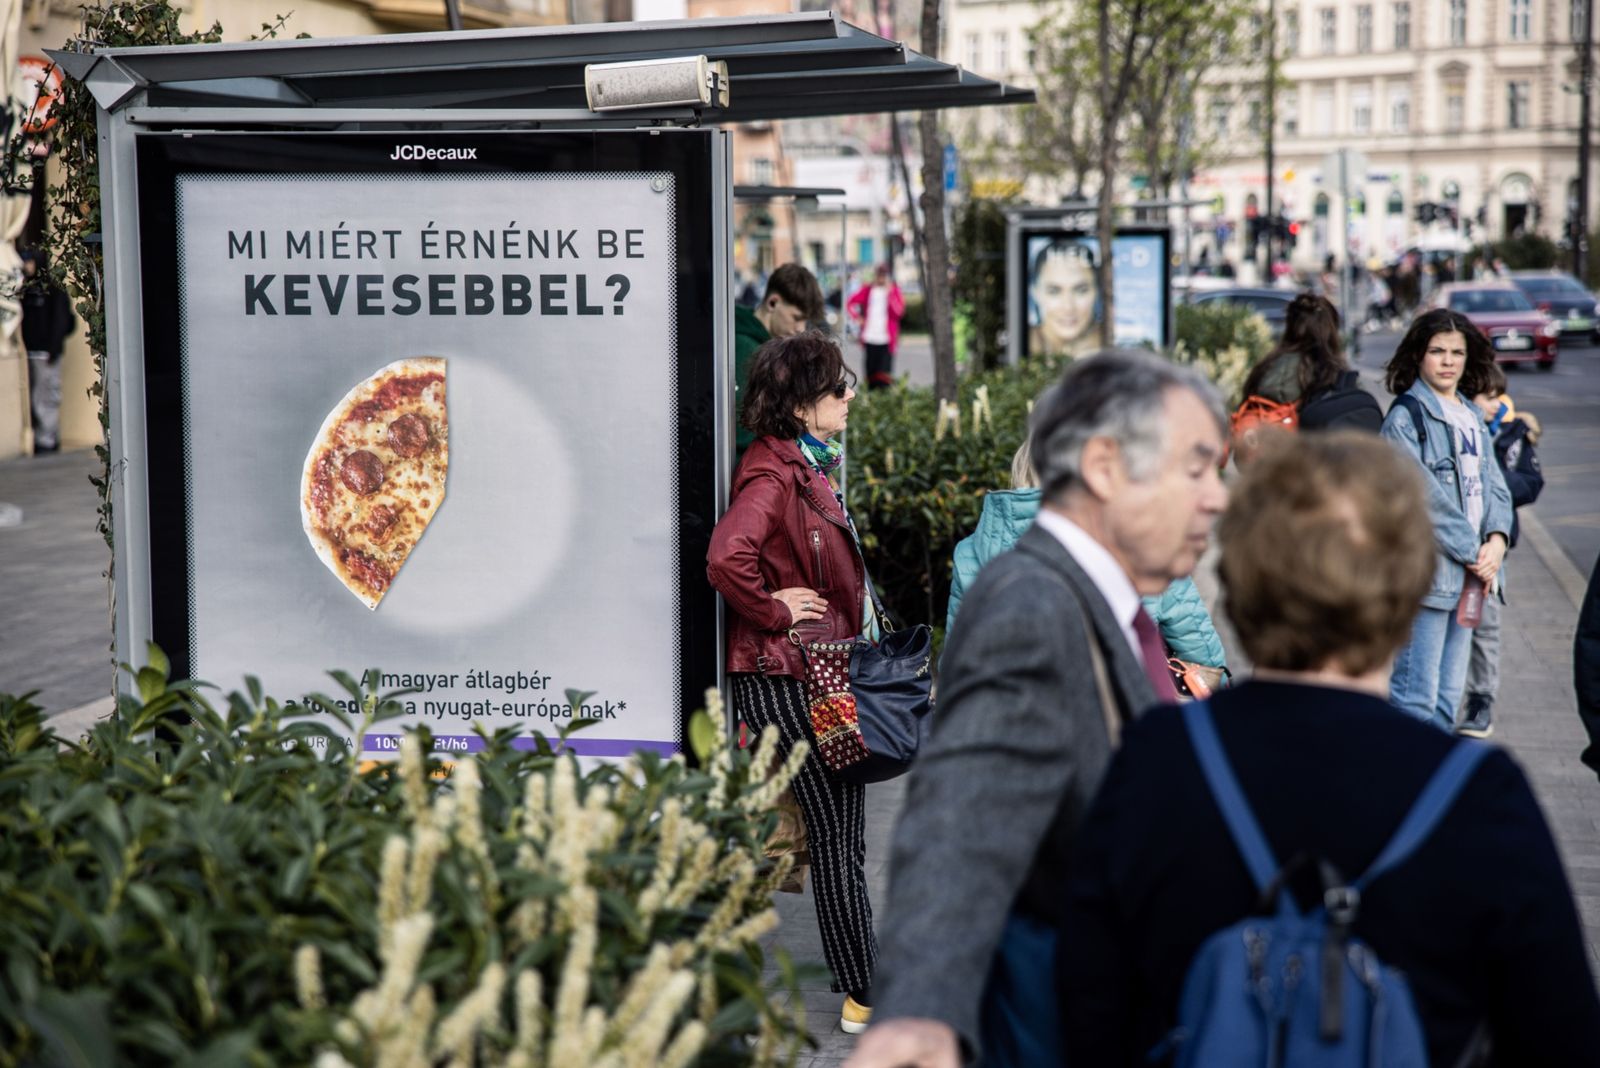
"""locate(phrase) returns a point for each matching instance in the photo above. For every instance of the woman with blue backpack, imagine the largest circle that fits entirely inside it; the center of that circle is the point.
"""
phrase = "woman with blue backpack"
(1292, 873)
(1442, 363)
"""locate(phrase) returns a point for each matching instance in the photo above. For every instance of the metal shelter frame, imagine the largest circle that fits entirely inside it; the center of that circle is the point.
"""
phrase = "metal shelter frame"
(781, 66)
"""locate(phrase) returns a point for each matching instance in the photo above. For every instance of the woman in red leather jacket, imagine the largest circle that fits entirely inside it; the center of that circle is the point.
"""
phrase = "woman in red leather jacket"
(784, 557)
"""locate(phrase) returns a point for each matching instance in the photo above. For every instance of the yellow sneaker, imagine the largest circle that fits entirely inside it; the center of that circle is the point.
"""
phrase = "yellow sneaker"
(854, 1017)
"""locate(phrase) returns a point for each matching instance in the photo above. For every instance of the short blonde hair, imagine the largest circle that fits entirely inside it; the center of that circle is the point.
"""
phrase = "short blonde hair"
(1023, 476)
(1327, 552)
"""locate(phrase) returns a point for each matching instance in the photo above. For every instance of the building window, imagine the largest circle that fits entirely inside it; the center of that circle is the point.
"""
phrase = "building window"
(1361, 109)
(1458, 22)
(1323, 116)
(1517, 105)
(1521, 19)
(1291, 32)
(1575, 20)
(1258, 40)
(974, 51)
(1455, 106)
(760, 171)
(1364, 28)
(1328, 31)
(1253, 116)
(1002, 46)
(1402, 24)
(1219, 118)
(1032, 53)
(1289, 109)
(1399, 108)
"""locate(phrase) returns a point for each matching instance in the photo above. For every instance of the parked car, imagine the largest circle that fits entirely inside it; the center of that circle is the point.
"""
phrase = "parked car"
(1564, 299)
(1518, 331)
(1271, 304)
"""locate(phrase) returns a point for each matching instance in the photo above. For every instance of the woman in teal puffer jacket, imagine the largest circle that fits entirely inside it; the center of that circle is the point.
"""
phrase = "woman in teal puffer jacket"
(1180, 612)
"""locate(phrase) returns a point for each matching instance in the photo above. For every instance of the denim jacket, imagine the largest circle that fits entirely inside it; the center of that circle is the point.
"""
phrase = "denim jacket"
(1458, 542)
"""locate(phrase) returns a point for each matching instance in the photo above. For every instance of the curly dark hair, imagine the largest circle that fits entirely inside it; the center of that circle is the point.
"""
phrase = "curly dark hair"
(788, 373)
(1311, 337)
(1406, 364)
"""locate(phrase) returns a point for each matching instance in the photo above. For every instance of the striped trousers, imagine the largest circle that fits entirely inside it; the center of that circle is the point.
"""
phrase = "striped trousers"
(835, 815)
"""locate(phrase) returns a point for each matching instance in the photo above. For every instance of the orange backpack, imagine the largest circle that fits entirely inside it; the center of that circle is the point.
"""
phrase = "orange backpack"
(1255, 416)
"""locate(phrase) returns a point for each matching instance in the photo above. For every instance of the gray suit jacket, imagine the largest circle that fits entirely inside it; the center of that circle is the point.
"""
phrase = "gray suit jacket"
(1016, 750)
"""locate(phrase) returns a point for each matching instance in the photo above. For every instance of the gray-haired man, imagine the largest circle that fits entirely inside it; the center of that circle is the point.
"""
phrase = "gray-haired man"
(1127, 448)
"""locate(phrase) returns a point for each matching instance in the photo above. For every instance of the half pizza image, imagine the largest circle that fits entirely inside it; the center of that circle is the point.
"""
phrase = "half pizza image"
(375, 474)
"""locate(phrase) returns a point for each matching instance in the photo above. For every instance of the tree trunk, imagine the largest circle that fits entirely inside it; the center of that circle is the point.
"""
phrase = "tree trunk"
(1105, 200)
(936, 247)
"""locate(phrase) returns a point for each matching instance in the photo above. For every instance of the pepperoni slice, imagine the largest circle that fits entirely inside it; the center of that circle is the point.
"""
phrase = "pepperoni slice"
(380, 520)
(362, 472)
(408, 435)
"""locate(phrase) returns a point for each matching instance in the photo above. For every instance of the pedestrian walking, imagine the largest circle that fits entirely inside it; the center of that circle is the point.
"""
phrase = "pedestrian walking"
(1515, 437)
(1442, 359)
(1052, 657)
(792, 300)
(1325, 556)
(877, 308)
(784, 558)
(47, 321)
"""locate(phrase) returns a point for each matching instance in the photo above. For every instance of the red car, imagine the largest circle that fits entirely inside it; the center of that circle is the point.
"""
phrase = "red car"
(1518, 331)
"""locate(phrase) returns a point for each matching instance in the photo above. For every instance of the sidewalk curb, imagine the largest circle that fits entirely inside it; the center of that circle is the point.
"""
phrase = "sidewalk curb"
(1544, 546)
(76, 722)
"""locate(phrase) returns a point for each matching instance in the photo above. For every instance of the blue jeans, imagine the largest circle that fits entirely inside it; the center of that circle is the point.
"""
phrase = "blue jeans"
(1432, 667)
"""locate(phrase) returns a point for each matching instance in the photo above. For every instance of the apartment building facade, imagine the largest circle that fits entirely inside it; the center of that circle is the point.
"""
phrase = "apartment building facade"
(1471, 105)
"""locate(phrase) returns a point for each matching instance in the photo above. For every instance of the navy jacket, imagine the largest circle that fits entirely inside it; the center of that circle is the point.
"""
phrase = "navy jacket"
(1481, 918)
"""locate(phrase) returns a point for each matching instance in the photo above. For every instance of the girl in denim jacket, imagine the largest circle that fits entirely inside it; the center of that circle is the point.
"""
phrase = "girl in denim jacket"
(1441, 364)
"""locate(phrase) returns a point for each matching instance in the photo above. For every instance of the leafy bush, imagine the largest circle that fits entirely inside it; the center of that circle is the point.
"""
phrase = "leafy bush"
(242, 889)
(1527, 252)
(916, 480)
(1222, 340)
(979, 249)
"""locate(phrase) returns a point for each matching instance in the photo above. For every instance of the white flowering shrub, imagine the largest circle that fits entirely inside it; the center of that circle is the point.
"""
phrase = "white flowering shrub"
(243, 889)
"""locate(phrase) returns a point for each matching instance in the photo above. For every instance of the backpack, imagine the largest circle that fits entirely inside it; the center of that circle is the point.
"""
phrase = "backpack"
(1296, 989)
(1345, 406)
(1413, 408)
(1257, 415)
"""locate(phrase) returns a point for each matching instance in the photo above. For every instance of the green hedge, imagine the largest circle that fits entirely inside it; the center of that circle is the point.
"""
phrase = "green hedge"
(245, 890)
(915, 492)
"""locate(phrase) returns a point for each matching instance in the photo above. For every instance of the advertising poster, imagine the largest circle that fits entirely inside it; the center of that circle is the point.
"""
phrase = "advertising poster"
(1063, 313)
(429, 423)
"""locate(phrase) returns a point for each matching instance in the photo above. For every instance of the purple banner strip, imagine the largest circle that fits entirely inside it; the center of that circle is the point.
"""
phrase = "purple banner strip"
(471, 743)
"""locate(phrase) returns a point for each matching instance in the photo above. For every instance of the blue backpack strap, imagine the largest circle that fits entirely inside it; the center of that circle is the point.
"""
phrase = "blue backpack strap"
(1413, 408)
(1429, 808)
(1247, 836)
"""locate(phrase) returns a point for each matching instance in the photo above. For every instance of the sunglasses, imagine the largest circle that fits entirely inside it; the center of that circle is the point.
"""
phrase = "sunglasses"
(844, 386)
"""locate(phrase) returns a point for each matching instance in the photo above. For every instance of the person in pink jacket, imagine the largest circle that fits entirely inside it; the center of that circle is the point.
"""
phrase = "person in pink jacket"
(876, 308)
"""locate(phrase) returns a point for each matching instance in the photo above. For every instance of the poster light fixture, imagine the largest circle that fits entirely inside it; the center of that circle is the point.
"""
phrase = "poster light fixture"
(692, 81)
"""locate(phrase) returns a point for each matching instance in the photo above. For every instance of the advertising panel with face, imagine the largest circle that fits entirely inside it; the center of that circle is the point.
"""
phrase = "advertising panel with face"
(1064, 312)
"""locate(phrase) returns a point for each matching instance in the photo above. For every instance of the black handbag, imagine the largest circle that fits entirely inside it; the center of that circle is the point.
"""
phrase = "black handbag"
(868, 728)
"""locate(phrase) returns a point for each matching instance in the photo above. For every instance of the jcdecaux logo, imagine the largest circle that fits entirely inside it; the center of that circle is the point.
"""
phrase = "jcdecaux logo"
(424, 152)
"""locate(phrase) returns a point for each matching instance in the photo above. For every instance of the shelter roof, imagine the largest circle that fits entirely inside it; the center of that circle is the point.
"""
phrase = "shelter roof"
(779, 66)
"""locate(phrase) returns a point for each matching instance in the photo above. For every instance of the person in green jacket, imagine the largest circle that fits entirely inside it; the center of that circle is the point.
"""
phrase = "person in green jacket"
(1180, 611)
(793, 300)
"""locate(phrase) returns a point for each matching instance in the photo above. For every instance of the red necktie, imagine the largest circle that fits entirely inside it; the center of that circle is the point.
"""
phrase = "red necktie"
(1154, 654)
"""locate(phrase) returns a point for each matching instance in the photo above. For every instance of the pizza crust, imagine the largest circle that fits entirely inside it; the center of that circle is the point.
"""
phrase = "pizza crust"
(365, 537)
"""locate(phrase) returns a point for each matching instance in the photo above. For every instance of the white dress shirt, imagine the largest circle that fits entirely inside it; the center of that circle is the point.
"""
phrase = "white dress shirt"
(1102, 569)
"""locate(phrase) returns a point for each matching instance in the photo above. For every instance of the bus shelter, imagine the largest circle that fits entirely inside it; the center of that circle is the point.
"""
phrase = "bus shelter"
(419, 353)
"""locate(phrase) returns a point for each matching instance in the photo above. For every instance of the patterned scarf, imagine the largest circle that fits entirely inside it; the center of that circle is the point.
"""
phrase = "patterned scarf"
(823, 455)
